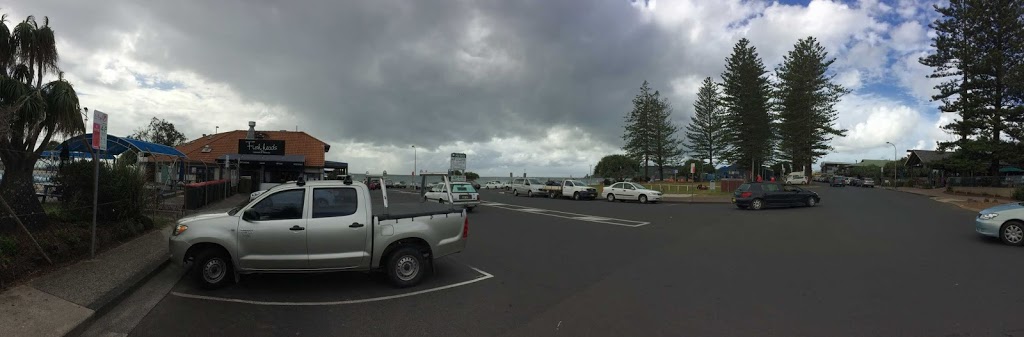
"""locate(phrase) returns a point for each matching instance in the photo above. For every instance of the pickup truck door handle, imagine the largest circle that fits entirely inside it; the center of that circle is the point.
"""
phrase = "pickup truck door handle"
(355, 225)
(297, 228)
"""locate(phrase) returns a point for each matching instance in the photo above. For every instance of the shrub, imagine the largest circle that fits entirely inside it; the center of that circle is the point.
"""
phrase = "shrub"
(122, 191)
(8, 245)
(1018, 193)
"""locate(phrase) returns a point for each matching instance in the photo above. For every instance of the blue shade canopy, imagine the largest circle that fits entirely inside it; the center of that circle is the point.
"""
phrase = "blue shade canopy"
(117, 145)
(86, 155)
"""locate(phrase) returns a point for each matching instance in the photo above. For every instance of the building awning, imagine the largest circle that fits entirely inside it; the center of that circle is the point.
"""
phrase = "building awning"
(117, 145)
(335, 165)
(264, 159)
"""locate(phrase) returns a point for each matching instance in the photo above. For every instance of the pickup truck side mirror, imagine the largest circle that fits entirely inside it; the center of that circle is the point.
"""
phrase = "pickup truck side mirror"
(250, 215)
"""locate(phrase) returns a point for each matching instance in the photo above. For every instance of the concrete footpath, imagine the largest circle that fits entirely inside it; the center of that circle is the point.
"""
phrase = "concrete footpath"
(66, 301)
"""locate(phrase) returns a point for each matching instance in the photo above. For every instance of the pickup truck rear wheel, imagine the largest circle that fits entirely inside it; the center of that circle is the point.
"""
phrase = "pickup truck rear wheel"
(406, 267)
(213, 269)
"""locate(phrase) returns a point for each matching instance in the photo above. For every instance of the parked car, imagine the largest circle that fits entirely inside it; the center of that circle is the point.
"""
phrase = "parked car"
(796, 178)
(1005, 222)
(630, 191)
(763, 195)
(317, 226)
(400, 184)
(868, 182)
(848, 180)
(575, 189)
(854, 182)
(374, 184)
(463, 193)
(839, 181)
(528, 187)
(493, 184)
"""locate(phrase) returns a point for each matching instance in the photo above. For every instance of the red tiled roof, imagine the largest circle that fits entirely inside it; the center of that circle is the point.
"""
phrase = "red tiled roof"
(295, 142)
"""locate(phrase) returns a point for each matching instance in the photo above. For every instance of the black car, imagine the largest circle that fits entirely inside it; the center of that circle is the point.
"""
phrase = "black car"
(763, 195)
(837, 181)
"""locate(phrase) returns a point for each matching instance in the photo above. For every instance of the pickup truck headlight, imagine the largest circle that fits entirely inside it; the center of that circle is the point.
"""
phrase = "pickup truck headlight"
(988, 216)
(179, 229)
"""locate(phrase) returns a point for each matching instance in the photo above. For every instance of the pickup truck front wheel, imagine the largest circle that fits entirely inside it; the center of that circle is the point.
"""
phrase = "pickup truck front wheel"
(213, 269)
(406, 267)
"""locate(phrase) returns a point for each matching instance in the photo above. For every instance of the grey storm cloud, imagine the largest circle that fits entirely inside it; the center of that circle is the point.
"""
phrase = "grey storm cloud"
(362, 70)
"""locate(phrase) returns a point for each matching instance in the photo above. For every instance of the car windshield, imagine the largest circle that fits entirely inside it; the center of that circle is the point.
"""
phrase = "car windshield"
(535, 181)
(638, 186)
(743, 188)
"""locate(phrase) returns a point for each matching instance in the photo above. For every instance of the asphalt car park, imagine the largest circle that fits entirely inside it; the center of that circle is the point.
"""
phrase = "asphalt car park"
(862, 262)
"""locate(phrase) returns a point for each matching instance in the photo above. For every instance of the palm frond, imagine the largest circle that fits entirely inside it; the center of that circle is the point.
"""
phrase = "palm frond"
(62, 108)
(21, 73)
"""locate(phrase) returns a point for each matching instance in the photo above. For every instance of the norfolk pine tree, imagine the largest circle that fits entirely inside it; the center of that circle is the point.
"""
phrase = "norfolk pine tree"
(667, 147)
(979, 52)
(805, 100)
(746, 93)
(638, 135)
(708, 133)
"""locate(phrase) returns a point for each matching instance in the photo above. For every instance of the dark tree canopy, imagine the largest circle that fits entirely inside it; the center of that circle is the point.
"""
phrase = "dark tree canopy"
(707, 134)
(805, 100)
(979, 54)
(160, 131)
(616, 166)
(746, 93)
(650, 134)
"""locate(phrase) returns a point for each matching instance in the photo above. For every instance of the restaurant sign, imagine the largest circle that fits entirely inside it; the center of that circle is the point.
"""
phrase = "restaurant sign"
(269, 147)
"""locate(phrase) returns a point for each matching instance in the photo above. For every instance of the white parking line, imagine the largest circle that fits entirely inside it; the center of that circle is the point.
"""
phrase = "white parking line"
(567, 215)
(483, 276)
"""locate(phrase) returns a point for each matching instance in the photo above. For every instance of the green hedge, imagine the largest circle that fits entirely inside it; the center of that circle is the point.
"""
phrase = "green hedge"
(122, 193)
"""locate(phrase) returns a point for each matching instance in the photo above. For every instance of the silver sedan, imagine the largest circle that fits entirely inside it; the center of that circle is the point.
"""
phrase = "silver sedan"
(1005, 222)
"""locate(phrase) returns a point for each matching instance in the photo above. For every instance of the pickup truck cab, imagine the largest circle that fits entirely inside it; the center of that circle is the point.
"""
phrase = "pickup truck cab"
(463, 193)
(317, 226)
(575, 189)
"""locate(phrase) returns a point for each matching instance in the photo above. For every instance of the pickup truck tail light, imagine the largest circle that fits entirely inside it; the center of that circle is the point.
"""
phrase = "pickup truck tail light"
(465, 227)
(746, 194)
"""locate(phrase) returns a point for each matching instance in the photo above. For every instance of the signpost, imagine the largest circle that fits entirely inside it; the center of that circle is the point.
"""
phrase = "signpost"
(99, 144)
(458, 162)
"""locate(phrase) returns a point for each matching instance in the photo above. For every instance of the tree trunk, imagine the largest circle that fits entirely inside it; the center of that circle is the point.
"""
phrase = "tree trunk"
(18, 189)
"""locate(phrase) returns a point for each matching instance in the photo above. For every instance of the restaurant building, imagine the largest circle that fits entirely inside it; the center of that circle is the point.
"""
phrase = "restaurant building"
(264, 156)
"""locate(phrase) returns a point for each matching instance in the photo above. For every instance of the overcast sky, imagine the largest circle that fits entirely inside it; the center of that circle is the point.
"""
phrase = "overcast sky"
(536, 86)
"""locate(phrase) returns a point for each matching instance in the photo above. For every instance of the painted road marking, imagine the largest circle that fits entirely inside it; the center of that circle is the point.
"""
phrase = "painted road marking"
(483, 276)
(567, 215)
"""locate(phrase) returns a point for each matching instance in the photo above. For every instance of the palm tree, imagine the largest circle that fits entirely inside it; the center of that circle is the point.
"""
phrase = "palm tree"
(30, 109)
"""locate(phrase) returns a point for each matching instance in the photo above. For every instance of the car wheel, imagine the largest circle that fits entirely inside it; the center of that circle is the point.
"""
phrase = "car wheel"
(515, 193)
(811, 202)
(1012, 233)
(213, 269)
(642, 199)
(576, 196)
(611, 197)
(406, 267)
(756, 204)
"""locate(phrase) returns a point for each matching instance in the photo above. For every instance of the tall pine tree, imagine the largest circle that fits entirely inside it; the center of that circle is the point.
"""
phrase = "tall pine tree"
(746, 93)
(979, 51)
(638, 136)
(805, 100)
(708, 133)
(667, 147)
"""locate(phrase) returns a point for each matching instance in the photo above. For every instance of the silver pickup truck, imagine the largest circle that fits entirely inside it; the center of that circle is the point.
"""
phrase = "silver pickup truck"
(318, 226)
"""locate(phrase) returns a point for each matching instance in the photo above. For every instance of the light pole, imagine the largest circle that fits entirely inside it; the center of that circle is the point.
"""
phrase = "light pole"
(893, 164)
(414, 161)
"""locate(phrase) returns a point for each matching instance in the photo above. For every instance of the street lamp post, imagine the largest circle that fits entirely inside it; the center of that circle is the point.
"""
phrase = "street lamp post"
(893, 164)
(414, 161)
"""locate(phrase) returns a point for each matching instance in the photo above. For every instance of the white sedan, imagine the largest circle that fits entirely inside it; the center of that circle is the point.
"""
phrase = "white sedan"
(630, 191)
(494, 185)
(463, 193)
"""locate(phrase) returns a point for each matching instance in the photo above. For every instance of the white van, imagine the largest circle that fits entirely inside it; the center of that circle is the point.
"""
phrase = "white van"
(796, 178)
(528, 187)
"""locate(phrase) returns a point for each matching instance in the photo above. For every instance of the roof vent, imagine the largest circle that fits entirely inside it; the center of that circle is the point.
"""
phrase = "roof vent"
(252, 131)
(206, 149)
